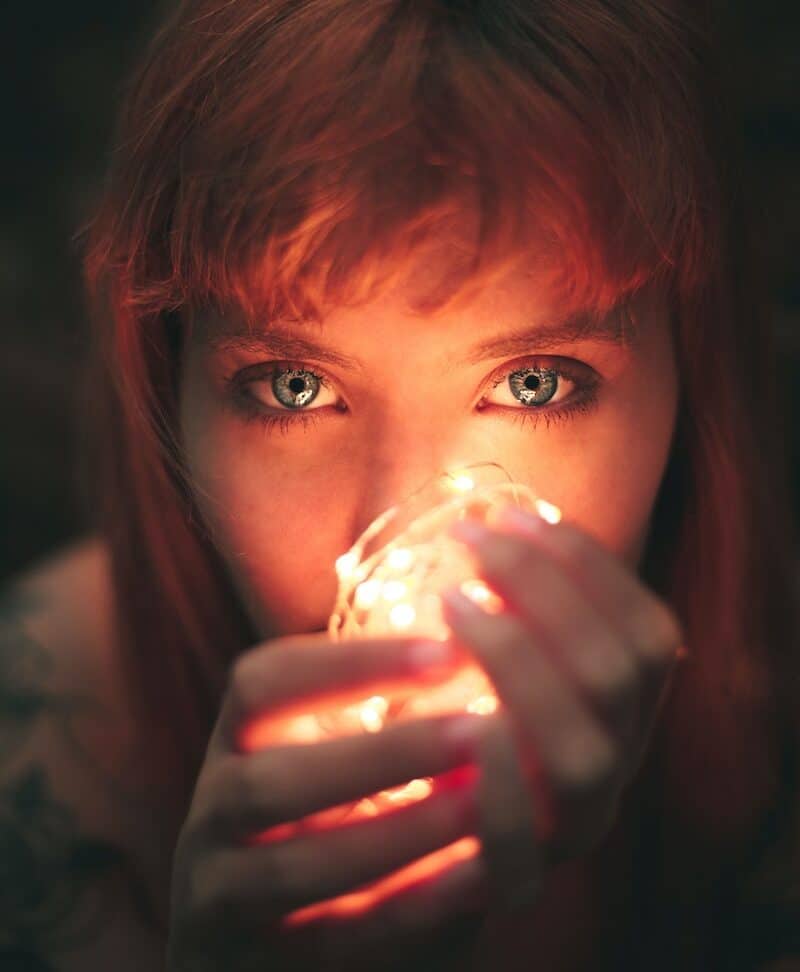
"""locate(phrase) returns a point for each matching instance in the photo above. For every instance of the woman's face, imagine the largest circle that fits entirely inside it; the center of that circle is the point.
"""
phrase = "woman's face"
(384, 399)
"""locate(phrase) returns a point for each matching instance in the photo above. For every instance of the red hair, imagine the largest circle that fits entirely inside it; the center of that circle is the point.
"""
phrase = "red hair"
(280, 158)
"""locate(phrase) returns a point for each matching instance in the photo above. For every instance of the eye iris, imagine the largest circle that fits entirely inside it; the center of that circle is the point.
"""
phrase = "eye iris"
(294, 389)
(533, 386)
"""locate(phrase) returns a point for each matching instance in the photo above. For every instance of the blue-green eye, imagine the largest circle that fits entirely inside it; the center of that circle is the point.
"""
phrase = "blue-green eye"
(284, 387)
(296, 388)
(285, 393)
(533, 386)
(551, 389)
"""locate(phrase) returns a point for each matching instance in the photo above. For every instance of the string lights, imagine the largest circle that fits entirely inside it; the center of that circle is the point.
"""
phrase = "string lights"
(390, 581)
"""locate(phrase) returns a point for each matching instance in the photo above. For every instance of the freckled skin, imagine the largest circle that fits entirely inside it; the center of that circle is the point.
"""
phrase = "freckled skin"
(282, 508)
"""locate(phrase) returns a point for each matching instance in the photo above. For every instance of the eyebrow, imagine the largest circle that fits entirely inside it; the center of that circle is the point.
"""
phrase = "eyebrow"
(282, 345)
(613, 328)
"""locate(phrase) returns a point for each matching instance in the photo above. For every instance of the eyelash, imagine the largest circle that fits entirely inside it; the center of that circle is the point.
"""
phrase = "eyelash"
(583, 400)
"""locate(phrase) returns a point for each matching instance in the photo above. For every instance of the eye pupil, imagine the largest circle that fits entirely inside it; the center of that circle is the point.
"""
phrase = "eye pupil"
(296, 389)
(533, 386)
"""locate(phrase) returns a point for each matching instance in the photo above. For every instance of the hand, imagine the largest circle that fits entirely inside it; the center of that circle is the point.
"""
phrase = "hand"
(231, 894)
(580, 660)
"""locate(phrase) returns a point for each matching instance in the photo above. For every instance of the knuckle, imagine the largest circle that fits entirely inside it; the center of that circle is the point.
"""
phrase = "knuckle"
(613, 677)
(661, 634)
(289, 873)
(585, 763)
(224, 892)
(669, 629)
(238, 796)
(245, 676)
(218, 791)
(258, 792)
(212, 895)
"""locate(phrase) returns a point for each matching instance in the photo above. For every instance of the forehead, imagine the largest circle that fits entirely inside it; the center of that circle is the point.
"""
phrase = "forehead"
(355, 339)
(438, 296)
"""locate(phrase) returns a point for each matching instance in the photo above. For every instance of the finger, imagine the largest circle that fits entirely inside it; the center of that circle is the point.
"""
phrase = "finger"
(576, 634)
(293, 673)
(506, 823)
(401, 924)
(243, 795)
(558, 735)
(643, 618)
(265, 882)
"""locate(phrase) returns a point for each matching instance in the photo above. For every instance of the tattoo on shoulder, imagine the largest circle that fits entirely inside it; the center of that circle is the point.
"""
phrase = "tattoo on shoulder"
(47, 865)
(25, 670)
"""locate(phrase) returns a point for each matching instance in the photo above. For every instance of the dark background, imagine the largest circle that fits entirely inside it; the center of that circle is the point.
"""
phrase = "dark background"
(66, 62)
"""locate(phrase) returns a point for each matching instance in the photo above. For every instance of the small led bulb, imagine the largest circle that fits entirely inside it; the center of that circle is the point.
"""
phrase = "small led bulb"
(367, 593)
(392, 580)
(462, 483)
(390, 583)
(346, 564)
(402, 616)
(548, 511)
(394, 590)
(400, 559)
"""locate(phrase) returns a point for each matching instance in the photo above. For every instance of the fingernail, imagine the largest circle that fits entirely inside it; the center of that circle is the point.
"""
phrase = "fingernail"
(459, 603)
(528, 522)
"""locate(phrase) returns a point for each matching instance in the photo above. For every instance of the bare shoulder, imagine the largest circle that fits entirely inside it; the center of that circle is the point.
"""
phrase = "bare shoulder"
(89, 858)
(65, 604)
(59, 633)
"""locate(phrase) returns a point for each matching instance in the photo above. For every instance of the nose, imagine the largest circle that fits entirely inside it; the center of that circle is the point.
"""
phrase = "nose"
(398, 465)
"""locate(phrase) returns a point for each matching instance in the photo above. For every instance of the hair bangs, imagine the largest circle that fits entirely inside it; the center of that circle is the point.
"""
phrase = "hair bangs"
(316, 168)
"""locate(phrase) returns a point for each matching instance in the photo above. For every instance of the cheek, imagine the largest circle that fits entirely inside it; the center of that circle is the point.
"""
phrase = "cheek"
(605, 473)
(607, 477)
(271, 518)
(614, 499)
(277, 532)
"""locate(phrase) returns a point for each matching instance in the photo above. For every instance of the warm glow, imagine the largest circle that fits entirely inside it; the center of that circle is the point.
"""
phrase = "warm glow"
(346, 564)
(305, 729)
(483, 705)
(358, 902)
(373, 713)
(402, 616)
(482, 595)
(400, 559)
(396, 589)
(548, 511)
(462, 483)
(367, 593)
(412, 792)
